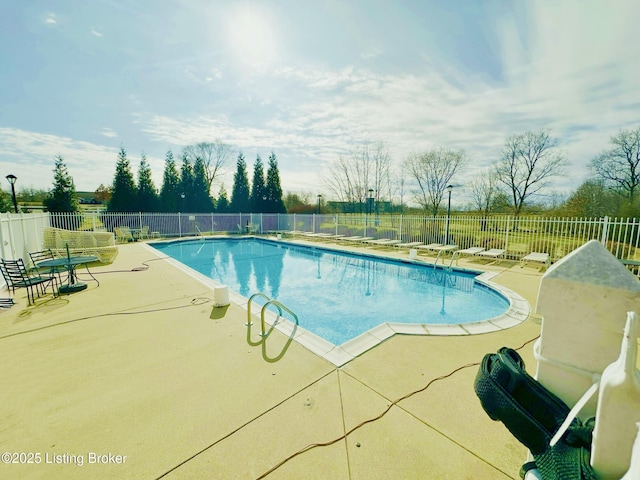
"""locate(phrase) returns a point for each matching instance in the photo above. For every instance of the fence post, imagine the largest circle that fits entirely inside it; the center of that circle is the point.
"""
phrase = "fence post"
(179, 224)
(605, 230)
(506, 235)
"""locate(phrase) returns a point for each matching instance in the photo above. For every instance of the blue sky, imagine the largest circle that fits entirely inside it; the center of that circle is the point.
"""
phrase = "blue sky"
(309, 80)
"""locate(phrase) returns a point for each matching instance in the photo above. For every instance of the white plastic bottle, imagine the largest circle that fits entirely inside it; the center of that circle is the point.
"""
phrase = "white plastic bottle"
(618, 409)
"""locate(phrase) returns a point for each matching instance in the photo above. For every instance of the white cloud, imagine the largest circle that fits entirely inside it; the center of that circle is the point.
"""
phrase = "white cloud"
(50, 19)
(30, 156)
(108, 132)
(95, 32)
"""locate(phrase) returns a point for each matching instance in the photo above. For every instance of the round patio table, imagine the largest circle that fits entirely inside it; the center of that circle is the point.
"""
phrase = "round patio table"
(70, 263)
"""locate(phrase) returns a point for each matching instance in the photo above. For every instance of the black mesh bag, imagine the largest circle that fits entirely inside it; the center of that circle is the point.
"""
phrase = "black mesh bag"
(533, 415)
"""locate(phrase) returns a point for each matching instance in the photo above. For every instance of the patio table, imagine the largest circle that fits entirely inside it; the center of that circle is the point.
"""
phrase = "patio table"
(70, 263)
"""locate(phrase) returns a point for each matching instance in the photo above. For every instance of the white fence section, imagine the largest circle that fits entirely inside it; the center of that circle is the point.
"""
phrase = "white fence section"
(21, 233)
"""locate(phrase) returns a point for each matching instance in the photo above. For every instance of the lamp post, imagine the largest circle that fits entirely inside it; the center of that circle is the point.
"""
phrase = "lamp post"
(12, 180)
(370, 201)
(446, 236)
(319, 199)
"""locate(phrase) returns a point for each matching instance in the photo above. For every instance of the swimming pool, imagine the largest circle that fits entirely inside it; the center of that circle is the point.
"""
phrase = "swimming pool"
(339, 296)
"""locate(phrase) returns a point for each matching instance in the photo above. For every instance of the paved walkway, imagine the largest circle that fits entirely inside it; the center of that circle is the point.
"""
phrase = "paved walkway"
(142, 377)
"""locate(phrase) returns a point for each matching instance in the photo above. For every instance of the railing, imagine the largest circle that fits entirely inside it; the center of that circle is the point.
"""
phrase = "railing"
(21, 233)
(264, 333)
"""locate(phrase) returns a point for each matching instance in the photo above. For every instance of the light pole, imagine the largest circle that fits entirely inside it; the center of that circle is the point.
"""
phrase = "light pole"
(370, 202)
(319, 199)
(446, 236)
(12, 180)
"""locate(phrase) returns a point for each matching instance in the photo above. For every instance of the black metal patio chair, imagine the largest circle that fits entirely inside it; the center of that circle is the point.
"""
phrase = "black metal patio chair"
(42, 256)
(16, 275)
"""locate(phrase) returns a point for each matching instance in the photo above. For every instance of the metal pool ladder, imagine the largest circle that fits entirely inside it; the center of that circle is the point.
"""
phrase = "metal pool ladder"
(263, 332)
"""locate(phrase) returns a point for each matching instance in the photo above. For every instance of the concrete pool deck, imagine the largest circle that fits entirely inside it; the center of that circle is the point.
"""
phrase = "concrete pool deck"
(145, 374)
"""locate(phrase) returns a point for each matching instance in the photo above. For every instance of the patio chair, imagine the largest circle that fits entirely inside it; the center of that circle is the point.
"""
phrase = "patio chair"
(40, 256)
(144, 233)
(429, 248)
(465, 251)
(123, 234)
(540, 257)
(382, 242)
(408, 245)
(16, 275)
(496, 253)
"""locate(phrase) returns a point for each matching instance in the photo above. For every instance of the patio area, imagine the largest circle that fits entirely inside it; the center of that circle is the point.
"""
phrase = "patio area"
(143, 378)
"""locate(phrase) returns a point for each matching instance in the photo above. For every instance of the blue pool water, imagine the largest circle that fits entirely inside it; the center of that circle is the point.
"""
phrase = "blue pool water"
(337, 295)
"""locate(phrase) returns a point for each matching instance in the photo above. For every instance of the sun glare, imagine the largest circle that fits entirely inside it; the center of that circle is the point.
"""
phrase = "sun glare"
(252, 37)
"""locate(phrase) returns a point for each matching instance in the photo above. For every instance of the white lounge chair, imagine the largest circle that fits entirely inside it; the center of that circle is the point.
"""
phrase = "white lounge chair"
(383, 242)
(431, 247)
(496, 253)
(536, 257)
(353, 238)
(408, 245)
(465, 251)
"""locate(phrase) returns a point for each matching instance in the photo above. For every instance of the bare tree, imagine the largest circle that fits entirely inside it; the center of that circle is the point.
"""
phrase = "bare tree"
(528, 162)
(484, 189)
(433, 171)
(620, 166)
(367, 168)
(399, 186)
(214, 155)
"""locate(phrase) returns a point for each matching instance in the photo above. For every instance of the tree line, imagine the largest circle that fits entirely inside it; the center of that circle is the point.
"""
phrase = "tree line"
(366, 176)
(528, 163)
(185, 187)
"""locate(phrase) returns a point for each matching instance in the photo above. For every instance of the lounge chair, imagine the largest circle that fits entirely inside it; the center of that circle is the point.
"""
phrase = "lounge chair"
(408, 245)
(16, 276)
(465, 251)
(540, 257)
(632, 265)
(353, 238)
(496, 253)
(431, 247)
(383, 242)
(100, 244)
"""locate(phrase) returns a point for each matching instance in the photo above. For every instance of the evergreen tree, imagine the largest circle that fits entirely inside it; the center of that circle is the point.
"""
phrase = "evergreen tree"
(6, 202)
(170, 192)
(148, 200)
(222, 206)
(258, 189)
(274, 202)
(201, 201)
(186, 185)
(62, 197)
(124, 192)
(240, 195)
